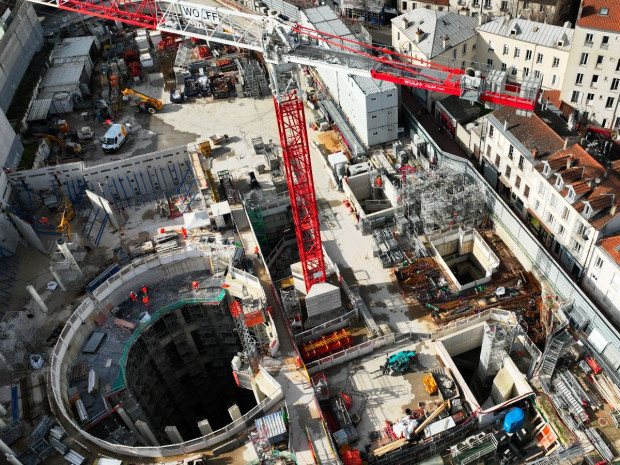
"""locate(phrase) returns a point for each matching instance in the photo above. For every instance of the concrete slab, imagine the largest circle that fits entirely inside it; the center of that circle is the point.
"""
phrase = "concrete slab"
(388, 396)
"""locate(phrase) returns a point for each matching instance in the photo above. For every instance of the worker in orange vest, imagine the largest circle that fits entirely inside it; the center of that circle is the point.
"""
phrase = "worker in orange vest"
(144, 290)
(256, 252)
(184, 232)
(145, 301)
(133, 296)
(195, 285)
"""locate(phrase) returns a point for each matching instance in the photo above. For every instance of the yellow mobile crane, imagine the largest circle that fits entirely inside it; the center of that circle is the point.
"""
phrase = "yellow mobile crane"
(147, 103)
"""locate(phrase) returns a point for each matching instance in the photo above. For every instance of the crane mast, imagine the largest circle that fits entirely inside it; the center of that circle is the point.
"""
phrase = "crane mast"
(284, 47)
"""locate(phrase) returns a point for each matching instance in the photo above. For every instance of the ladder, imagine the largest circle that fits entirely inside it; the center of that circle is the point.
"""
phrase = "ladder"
(575, 406)
(552, 353)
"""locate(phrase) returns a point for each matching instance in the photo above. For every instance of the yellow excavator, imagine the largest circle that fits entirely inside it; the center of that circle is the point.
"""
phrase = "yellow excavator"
(72, 146)
(148, 104)
(64, 226)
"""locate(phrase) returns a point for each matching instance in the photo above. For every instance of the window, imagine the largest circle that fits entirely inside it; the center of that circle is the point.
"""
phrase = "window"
(528, 54)
(506, 49)
(614, 83)
(539, 58)
(508, 172)
(464, 50)
(589, 39)
(584, 59)
(487, 3)
(553, 203)
(490, 62)
(579, 79)
(489, 151)
(617, 125)
(440, 8)
(518, 182)
(603, 11)
(526, 191)
(462, 65)
(537, 74)
(576, 246)
(554, 79)
(556, 62)
(561, 230)
(542, 190)
(537, 205)
(504, 6)
(504, 66)
(594, 81)
(526, 71)
(610, 102)
(491, 131)
(618, 66)
(565, 213)
(589, 99)
(497, 160)
(511, 151)
(526, 5)
(518, 52)
(574, 98)
(605, 42)
(598, 263)
(550, 219)
(599, 61)
(514, 70)
(521, 161)
(491, 46)
(404, 6)
(454, 53)
(579, 228)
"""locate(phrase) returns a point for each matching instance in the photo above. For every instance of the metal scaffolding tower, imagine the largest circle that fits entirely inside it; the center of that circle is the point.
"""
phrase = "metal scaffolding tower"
(18, 339)
(65, 262)
(247, 341)
(437, 200)
(492, 352)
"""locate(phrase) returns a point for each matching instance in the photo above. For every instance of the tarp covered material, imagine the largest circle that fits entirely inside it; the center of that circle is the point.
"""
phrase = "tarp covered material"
(195, 220)
(39, 109)
(404, 427)
(597, 340)
(220, 208)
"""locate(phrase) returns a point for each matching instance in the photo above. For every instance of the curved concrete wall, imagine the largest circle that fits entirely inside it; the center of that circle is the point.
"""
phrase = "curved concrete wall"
(80, 325)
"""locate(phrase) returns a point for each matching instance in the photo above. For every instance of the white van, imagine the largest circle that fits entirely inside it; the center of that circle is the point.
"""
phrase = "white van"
(114, 138)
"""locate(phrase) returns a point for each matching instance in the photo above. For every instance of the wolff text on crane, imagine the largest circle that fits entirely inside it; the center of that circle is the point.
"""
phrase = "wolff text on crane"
(202, 13)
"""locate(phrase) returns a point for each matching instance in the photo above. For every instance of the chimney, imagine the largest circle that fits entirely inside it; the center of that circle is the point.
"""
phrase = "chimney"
(505, 125)
(569, 161)
(481, 19)
(405, 23)
(534, 153)
(446, 39)
(565, 143)
(419, 35)
(606, 175)
(613, 209)
(580, 10)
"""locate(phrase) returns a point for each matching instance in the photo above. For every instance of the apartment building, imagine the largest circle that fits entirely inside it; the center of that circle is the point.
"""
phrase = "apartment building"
(522, 47)
(592, 84)
(602, 276)
(435, 36)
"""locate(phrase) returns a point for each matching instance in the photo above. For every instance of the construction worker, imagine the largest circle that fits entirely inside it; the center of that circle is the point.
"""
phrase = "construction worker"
(145, 301)
(144, 290)
(184, 232)
(133, 296)
(195, 285)
(256, 251)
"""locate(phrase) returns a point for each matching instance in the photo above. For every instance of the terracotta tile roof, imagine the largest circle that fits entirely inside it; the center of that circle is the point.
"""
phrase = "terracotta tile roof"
(601, 201)
(611, 245)
(591, 17)
(579, 207)
(437, 2)
(580, 187)
(571, 174)
(554, 97)
(532, 132)
(557, 163)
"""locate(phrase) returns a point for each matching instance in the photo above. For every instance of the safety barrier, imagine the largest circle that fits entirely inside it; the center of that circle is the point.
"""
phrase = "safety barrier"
(329, 326)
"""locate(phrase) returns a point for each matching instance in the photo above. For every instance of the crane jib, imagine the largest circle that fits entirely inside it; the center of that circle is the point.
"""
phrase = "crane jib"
(202, 13)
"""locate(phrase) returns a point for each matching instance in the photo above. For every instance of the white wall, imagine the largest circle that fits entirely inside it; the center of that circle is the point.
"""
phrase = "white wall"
(602, 280)
(11, 148)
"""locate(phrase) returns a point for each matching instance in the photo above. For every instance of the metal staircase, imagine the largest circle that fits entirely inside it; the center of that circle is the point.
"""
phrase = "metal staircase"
(552, 353)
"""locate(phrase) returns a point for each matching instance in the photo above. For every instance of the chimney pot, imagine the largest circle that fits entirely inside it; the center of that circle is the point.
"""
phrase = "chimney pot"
(446, 39)
(569, 161)
(505, 124)
(565, 143)
(534, 153)
(405, 23)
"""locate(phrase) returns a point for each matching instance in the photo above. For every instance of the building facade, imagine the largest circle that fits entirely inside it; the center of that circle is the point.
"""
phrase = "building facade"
(602, 276)
(438, 37)
(592, 84)
(522, 48)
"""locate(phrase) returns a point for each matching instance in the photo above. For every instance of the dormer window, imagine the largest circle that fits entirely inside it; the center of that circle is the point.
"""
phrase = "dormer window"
(571, 195)
(559, 182)
(587, 211)
(547, 170)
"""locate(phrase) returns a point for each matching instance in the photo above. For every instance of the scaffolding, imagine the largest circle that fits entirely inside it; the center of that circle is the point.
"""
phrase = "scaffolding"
(254, 77)
(492, 352)
(18, 339)
(255, 215)
(438, 200)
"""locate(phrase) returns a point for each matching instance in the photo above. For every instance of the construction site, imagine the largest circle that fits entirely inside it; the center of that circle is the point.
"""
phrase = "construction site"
(208, 279)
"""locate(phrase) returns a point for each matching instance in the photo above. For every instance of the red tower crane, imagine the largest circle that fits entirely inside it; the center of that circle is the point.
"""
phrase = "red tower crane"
(284, 47)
